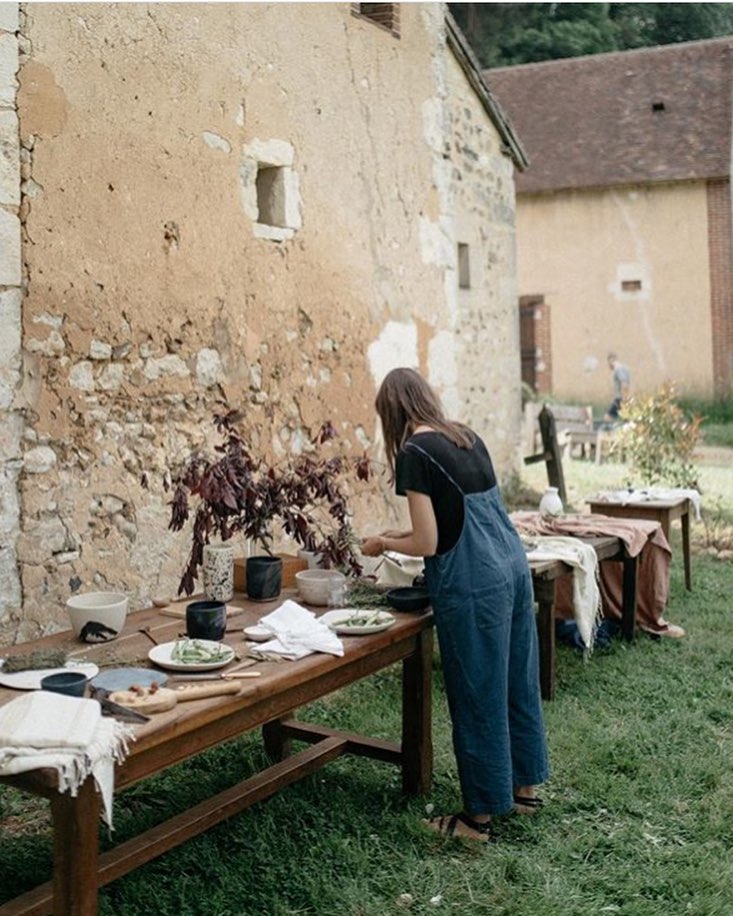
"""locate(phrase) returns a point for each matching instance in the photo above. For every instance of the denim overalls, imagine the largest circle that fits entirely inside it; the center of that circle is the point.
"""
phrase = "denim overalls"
(481, 592)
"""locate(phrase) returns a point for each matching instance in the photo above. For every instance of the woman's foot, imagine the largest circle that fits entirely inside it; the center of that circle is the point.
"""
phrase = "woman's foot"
(526, 800)
(462, 825)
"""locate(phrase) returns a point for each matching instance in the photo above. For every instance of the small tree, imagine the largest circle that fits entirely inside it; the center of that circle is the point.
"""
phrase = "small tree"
(659, 439)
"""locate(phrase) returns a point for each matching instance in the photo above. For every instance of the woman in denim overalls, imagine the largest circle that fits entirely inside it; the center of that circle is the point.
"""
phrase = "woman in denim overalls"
(481, 592)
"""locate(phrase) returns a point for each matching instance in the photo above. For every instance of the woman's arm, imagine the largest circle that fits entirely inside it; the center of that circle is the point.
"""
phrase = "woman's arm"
(421, 541)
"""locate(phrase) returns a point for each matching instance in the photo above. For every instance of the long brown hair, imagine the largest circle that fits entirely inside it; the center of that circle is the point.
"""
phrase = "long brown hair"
(405, 401)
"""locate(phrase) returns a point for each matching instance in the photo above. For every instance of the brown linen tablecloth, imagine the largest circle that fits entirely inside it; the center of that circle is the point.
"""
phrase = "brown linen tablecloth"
(642, 538)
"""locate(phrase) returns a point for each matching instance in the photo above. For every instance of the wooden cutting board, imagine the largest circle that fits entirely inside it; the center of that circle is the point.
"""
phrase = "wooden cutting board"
(147, 701)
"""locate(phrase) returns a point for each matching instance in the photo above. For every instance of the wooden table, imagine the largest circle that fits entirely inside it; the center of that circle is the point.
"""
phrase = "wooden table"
(544, 575)
(664, 511)
(189, 728)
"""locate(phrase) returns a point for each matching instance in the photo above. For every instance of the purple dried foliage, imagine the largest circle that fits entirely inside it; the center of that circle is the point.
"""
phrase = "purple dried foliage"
(236, 493)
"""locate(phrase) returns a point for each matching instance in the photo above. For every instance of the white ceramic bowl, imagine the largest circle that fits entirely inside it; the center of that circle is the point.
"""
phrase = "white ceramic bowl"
(314, 585)
(97, 616)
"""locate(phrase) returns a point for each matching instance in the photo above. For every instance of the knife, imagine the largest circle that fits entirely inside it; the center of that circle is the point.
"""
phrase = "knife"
(120, 712)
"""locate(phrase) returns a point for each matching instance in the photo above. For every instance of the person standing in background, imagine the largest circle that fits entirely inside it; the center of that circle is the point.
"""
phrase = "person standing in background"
(621, 386)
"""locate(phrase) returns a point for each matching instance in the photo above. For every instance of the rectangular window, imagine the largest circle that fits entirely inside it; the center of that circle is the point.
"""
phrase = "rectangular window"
(464, 267)
(386, 15)
(631, 286)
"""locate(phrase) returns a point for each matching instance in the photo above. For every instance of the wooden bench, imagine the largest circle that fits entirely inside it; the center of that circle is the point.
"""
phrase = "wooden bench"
(574, 426)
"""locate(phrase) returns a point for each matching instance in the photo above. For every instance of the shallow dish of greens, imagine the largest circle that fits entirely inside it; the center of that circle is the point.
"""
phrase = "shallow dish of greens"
(362, 622)
(191, 655)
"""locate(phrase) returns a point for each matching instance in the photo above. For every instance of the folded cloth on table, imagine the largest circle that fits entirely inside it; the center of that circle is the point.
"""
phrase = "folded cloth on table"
(651, 494)
(586, 591)
(297, 633)
(42, 729)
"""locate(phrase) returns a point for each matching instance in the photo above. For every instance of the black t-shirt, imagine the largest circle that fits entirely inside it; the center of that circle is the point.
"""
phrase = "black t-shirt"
(470, 468)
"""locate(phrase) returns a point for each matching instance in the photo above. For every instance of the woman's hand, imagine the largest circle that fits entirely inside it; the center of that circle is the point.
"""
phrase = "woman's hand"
(373, 547)
(421, 541)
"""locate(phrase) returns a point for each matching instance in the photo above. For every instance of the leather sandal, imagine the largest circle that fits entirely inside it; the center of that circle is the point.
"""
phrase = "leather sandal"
(531, 803)
(447, 824)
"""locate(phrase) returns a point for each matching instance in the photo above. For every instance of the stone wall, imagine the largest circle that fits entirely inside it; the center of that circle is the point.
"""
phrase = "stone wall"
(215, 218)
(485, 301)
(11, 423)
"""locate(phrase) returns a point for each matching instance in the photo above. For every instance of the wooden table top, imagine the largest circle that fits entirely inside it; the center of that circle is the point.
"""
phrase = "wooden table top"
(605, 546)
(670, 503)
(197, 724)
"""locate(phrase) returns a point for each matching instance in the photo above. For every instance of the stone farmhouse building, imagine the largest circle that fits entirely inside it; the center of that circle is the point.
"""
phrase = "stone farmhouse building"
(624, 218)
(256, 206)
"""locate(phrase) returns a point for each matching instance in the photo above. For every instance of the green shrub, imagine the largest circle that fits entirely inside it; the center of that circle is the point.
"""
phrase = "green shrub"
(659, 439)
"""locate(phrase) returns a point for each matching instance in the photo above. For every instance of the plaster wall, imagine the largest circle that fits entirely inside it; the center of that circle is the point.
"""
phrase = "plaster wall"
(578, 248)
(154, 296)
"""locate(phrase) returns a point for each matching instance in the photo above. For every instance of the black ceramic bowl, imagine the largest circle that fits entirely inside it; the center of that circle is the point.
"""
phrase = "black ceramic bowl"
(410, 598)
(71, 683)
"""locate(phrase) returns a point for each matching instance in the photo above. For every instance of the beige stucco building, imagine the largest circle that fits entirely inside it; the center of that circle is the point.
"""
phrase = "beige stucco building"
(624, 219)
(250, 205)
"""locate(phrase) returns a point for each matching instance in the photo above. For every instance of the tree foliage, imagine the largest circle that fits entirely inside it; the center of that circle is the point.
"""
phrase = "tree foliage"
(503, 34)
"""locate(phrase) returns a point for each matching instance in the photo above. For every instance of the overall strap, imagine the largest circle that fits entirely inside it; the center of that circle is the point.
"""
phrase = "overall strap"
(436, 463)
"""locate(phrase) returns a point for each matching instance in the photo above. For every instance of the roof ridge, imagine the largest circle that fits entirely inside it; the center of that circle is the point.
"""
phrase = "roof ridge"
(654, 49)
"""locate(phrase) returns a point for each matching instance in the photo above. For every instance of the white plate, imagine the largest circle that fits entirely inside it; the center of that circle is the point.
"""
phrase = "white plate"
(258, 633)
(31, 680)
(161, 655)
(336, 621)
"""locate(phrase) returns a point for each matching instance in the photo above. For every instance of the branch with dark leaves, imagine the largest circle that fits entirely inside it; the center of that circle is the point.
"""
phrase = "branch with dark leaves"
(236, 493)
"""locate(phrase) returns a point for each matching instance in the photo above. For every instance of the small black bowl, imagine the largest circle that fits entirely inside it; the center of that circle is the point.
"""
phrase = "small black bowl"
(409, 598)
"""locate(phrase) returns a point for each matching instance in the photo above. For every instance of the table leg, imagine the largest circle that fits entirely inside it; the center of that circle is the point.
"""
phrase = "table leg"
(76, 851)
(665, 523)
(417, 739)
(544, 593)
(685, 521)
(628, 597)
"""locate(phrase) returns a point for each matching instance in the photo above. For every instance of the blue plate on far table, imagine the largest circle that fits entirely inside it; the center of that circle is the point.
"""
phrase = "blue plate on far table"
(123, 678)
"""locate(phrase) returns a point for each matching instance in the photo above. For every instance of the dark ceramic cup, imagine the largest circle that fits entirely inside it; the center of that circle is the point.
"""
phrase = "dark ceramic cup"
(72, 684)
(206, 620)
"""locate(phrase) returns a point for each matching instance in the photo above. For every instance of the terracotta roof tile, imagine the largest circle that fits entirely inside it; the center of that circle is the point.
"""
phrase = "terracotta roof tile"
(591, 121)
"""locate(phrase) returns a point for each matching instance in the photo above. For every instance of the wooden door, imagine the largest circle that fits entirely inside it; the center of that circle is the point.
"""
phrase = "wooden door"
(528, 338)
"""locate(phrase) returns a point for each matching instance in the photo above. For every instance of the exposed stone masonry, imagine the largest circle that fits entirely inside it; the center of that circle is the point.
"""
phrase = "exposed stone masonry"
(153, 294)
(13, 163)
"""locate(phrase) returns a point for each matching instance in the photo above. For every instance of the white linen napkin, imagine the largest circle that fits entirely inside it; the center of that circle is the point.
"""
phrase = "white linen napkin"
(42, 729)
(297, 633)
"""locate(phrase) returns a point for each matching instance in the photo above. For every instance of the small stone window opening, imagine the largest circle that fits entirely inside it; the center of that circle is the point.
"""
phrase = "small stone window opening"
(386, 15)
(464, 266)
(270, 189)
(658, 106)
(271, 195)
(631, 286)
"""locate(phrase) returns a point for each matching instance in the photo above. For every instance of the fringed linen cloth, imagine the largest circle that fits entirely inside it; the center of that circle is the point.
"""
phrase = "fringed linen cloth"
(42, 730)
(586, 592)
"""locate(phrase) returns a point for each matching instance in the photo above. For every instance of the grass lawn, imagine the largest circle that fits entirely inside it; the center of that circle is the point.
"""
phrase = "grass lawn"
(639, 819)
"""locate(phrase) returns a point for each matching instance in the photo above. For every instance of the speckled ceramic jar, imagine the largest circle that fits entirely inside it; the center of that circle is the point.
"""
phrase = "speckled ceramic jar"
(218, 572)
